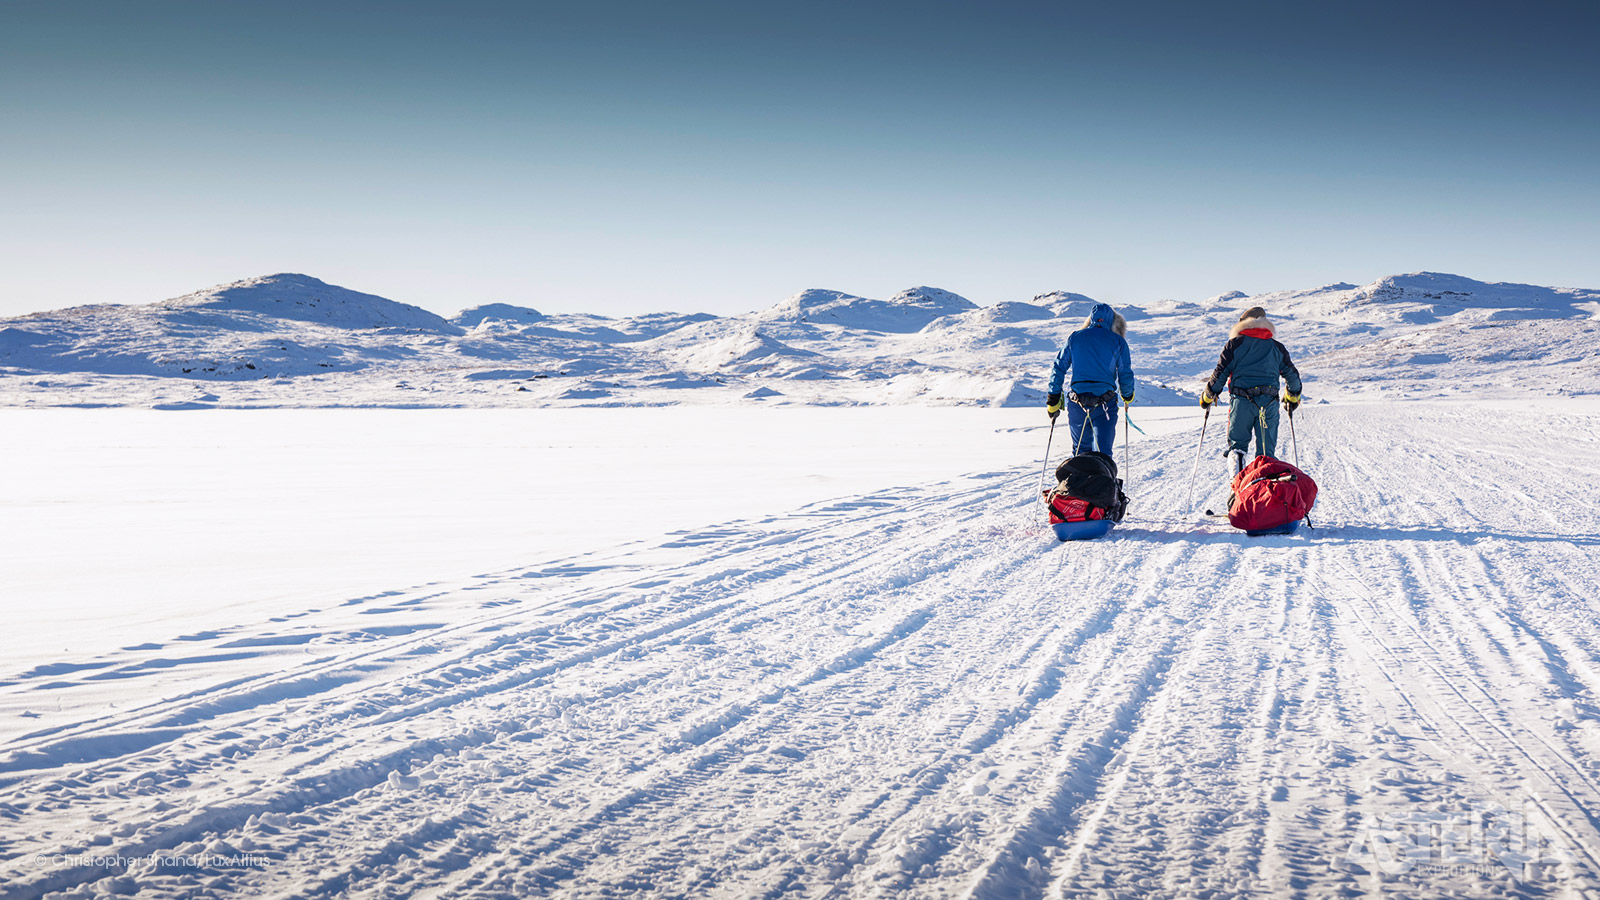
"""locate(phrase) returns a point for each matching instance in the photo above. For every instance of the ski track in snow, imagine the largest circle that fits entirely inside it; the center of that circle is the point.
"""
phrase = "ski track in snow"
(907, 693)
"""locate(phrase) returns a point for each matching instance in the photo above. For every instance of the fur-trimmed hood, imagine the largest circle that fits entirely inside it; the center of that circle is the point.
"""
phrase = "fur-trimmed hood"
(1248, 324)
(1105, 316)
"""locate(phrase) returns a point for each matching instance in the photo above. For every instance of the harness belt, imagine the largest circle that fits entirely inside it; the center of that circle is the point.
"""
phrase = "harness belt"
(1250, 393)
(1090, 401)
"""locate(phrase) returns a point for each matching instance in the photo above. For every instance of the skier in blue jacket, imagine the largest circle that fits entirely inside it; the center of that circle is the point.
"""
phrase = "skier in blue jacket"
(1098, 356)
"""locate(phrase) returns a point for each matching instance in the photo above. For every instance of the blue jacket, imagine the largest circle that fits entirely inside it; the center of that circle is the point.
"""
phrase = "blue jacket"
(1097, 355)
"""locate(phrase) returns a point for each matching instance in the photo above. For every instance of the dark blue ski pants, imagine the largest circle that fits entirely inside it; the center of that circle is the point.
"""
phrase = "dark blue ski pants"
(1102, 430)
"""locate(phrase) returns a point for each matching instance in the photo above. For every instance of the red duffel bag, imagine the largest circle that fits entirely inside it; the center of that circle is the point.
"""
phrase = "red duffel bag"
(1072, 509)
(1269, 494)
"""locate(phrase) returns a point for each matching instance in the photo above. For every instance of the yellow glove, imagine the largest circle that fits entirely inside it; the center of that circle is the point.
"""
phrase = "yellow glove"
(1292, 401)
(1128, 399)
(1206, 399)
(1053, 405)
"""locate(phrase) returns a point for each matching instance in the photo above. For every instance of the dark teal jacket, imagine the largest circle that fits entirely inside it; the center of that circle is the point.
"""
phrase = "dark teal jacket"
(1254, 358)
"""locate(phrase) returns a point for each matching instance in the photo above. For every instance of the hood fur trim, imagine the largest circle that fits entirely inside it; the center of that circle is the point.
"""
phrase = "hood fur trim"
(1248, 324)
(1118, 323)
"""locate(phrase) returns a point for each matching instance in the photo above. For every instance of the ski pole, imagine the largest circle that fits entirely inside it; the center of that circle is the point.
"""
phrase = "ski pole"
(1046, 469)
(1296, 441)
(1127, 446)
(1295, 438)
(1189, 508)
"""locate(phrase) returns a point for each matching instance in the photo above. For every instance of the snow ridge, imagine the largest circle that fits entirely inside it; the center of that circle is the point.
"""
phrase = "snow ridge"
(497, 312)
(293, 340)
(303, 298)
(907, 311)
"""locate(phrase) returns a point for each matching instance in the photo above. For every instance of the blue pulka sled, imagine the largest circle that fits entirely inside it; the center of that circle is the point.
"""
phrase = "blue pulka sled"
(1286, 528)
(1093, 528)
(1082, 531)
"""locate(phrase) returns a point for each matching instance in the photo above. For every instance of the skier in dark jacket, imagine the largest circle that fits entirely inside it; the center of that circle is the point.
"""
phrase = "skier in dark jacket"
(1251, 363)
(1098, 356)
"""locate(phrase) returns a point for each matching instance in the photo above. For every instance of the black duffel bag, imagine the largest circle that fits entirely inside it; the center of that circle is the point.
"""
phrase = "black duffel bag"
(1092, 478)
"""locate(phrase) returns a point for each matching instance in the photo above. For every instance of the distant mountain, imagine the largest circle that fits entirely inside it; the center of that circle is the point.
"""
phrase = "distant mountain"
(497, 312)
(905, 312)
(306, 299)
(292, 340)
(276, 325)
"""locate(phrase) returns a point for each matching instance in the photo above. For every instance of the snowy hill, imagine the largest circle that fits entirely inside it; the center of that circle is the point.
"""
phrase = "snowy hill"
(270, 327)
(905, 312)
(745, 351)
(292, 340)
(496, 312)
(306, 299)
(1069, 305)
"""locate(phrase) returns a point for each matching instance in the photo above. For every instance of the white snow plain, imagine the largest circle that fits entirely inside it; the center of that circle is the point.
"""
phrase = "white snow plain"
(126, 526)
(906, 689)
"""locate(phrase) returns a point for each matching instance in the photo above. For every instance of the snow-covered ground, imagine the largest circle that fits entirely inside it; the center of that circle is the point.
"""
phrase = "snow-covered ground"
(887, 686)
(194, 522)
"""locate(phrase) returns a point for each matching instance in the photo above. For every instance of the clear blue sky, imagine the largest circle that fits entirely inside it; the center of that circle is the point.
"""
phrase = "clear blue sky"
(621, 157)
